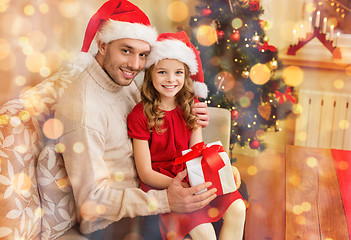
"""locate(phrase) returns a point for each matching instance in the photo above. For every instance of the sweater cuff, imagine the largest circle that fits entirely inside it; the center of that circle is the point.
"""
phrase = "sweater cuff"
(161, 201)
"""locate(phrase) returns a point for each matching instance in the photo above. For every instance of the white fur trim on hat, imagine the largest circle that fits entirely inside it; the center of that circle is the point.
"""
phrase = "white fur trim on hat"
(172, 49)
(200, 89)
(82, 60)
(113, 30)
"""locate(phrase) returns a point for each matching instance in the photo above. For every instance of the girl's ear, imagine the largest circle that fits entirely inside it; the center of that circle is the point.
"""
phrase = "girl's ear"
(101, 47)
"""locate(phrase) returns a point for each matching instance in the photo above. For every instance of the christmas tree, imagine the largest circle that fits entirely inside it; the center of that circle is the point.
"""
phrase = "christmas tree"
(241, 69)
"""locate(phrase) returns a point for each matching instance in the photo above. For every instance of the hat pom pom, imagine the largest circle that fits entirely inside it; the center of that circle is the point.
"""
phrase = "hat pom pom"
(82, 60)
(200, 89)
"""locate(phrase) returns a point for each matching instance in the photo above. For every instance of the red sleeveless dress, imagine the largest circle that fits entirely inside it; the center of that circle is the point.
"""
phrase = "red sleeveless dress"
(164, 148)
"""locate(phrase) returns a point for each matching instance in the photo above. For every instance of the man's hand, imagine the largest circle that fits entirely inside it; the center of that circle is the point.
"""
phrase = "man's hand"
(201, 110)
(182, 199)
(237, 177)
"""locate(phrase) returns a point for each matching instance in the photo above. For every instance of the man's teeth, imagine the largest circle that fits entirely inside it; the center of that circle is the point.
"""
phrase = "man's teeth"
(128, 73)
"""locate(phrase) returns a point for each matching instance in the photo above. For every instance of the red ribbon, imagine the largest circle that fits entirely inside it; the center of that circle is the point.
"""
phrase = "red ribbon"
(282, 97)
(266, 47)
(211, 162)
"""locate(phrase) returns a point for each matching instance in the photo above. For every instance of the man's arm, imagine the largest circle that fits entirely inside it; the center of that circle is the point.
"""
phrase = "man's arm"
(182, 199)
(201, 110)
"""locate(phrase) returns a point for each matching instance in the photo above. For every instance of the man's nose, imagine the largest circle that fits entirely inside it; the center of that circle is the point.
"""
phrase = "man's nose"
(134, 62)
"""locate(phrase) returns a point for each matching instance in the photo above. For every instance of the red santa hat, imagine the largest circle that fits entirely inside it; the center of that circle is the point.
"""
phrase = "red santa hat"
(117, 19)
(178, 46)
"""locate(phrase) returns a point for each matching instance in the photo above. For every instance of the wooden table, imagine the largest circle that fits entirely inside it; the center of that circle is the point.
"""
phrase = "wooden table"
(314, 208)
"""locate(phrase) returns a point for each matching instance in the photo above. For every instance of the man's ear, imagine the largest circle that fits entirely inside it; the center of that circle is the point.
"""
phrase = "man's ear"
(101, 47)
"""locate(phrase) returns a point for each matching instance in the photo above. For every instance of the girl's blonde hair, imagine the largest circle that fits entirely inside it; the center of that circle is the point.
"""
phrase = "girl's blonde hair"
(151, 100)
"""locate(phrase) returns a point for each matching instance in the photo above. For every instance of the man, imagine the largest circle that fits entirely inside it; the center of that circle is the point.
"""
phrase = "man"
(98, 156)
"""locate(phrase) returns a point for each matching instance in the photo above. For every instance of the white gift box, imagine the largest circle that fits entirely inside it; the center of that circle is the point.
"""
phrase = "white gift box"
(196, 175)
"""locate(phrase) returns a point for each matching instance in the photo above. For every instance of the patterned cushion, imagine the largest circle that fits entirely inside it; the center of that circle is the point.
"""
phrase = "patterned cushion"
(21, 140)
(56, 194)
(20, 210)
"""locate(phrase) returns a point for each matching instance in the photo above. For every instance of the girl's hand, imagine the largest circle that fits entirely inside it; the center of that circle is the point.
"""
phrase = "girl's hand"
(236, 177)
(200, 109)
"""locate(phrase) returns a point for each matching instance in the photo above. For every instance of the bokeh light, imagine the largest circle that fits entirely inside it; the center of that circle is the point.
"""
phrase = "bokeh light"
(15, 121)
(44, 8)
(119, 176)
(339, 84)
(62, 183)
(35, 62)
(294, 180)
(297, 108)
(24, 116)
(206, 35)
(215, 61)
(237, 23)
(22, 183)
(28, 10)
(293, 75)
(45, 71)
(53, 128)
(302, 136)
(344, 124)
(310, 7)
(152, 204)
(213, 212)
(332, 21)
(224, 81)
(4, 5)
(301, 220)
(306, 206)
(4, 119)
(252, 170)
(39, 212)
(297, 209)
(177, 11)
(100, 209)
(78, 147)
(88, 211)
(260, 74)
(60, 147)
(37, 40)
(53, 60)
(245, 102)
(343, 165)
(69, 8)
(20, 81)
(312, 162)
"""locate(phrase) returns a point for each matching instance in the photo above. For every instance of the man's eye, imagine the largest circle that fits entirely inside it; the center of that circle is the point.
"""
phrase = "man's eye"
(126, 51)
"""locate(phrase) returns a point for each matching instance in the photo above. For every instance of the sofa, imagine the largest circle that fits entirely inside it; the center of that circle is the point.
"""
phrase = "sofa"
(36, 197)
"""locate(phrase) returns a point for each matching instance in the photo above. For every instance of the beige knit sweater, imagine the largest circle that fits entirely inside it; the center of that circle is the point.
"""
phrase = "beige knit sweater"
(98, 156)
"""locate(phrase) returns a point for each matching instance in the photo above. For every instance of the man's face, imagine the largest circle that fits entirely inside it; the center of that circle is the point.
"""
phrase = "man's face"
(124, 58)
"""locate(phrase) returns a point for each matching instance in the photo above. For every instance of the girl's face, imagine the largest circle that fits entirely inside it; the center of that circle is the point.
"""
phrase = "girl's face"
(168, 78)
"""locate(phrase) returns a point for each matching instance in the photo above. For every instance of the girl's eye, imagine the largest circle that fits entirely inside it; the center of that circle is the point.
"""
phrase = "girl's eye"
(179, 72)
(161, 72)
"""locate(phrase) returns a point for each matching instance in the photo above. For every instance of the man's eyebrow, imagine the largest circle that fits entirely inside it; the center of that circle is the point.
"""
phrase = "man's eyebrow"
(124, 45)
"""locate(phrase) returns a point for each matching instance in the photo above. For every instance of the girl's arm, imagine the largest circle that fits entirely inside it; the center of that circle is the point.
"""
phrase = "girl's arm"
(142, 159)
(196, 136)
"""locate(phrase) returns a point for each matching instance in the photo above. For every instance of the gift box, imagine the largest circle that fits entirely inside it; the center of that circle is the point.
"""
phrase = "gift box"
(209, 163)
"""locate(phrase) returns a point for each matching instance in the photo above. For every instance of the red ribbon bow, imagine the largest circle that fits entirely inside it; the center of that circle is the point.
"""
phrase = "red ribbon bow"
(282, 97)
(211, 162)
(266, 47)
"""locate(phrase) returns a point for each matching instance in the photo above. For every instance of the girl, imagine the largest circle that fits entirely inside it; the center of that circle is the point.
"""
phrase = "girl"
(163, 124)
